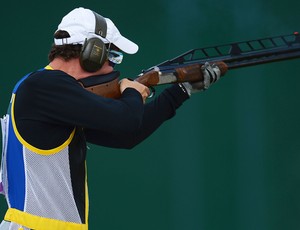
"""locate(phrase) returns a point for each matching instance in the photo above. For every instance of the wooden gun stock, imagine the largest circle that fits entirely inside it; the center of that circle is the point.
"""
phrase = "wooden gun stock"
(103, 85)
(108, 89)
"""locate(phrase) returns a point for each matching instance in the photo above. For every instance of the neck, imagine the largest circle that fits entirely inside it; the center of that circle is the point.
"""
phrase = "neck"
(74, 69)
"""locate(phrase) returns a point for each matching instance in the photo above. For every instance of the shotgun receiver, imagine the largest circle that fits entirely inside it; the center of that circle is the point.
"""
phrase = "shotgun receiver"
(187, 66)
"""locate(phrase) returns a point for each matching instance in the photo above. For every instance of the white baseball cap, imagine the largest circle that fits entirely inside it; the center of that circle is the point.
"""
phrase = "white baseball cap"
(82, 23)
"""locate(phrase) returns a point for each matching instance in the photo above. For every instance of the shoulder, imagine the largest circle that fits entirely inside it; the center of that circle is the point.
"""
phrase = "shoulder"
(49, 76)
(47, 79)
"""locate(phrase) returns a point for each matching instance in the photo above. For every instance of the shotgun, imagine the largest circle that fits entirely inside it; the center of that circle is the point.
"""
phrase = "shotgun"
(187, 66)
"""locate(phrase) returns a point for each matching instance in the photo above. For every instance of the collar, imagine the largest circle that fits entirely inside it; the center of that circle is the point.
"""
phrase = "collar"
(48, 67)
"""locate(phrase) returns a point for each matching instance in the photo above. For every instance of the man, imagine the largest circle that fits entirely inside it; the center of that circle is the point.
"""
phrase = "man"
(51, 117)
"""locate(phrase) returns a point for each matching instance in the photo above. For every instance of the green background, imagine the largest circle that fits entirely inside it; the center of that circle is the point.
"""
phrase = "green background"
(230, 158)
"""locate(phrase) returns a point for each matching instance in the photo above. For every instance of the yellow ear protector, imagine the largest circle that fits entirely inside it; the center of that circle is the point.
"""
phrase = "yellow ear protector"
(94, 52)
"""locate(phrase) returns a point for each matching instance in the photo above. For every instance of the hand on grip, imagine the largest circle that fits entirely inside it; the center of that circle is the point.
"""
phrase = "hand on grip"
(142, 89)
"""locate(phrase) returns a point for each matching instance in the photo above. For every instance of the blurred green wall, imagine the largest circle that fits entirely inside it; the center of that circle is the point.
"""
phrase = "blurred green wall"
(230, 158)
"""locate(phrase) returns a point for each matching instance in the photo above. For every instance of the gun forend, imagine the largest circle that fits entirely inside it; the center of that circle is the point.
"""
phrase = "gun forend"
(193, 73)
(188, 73)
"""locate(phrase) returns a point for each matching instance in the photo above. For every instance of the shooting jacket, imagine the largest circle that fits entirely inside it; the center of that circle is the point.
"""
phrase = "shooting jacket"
(49, 121)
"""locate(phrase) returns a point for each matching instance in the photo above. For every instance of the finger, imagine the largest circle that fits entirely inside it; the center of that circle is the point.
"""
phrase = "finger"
(148, 91)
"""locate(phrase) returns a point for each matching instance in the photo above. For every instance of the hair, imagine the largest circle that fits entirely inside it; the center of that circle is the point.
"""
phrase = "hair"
(67, 52)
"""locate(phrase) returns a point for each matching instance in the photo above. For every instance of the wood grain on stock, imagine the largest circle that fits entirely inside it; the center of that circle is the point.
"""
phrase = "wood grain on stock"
(150, 78)
(193, 73)
(109, 89)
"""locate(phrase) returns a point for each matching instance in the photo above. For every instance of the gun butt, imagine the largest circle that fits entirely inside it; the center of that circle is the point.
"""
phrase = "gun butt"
(109, 89)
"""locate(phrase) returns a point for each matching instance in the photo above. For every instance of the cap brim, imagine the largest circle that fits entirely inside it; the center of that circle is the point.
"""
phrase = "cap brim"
(126, 45)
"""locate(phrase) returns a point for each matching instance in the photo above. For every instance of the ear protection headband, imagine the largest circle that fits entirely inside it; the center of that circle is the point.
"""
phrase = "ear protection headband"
(94, 52)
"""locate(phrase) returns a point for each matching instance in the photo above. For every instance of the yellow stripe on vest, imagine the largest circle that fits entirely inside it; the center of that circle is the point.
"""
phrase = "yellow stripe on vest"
(31, 147)
(40, 223)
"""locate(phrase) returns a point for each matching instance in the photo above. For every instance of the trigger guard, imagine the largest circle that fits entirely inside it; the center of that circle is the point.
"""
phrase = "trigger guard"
(152, 93)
